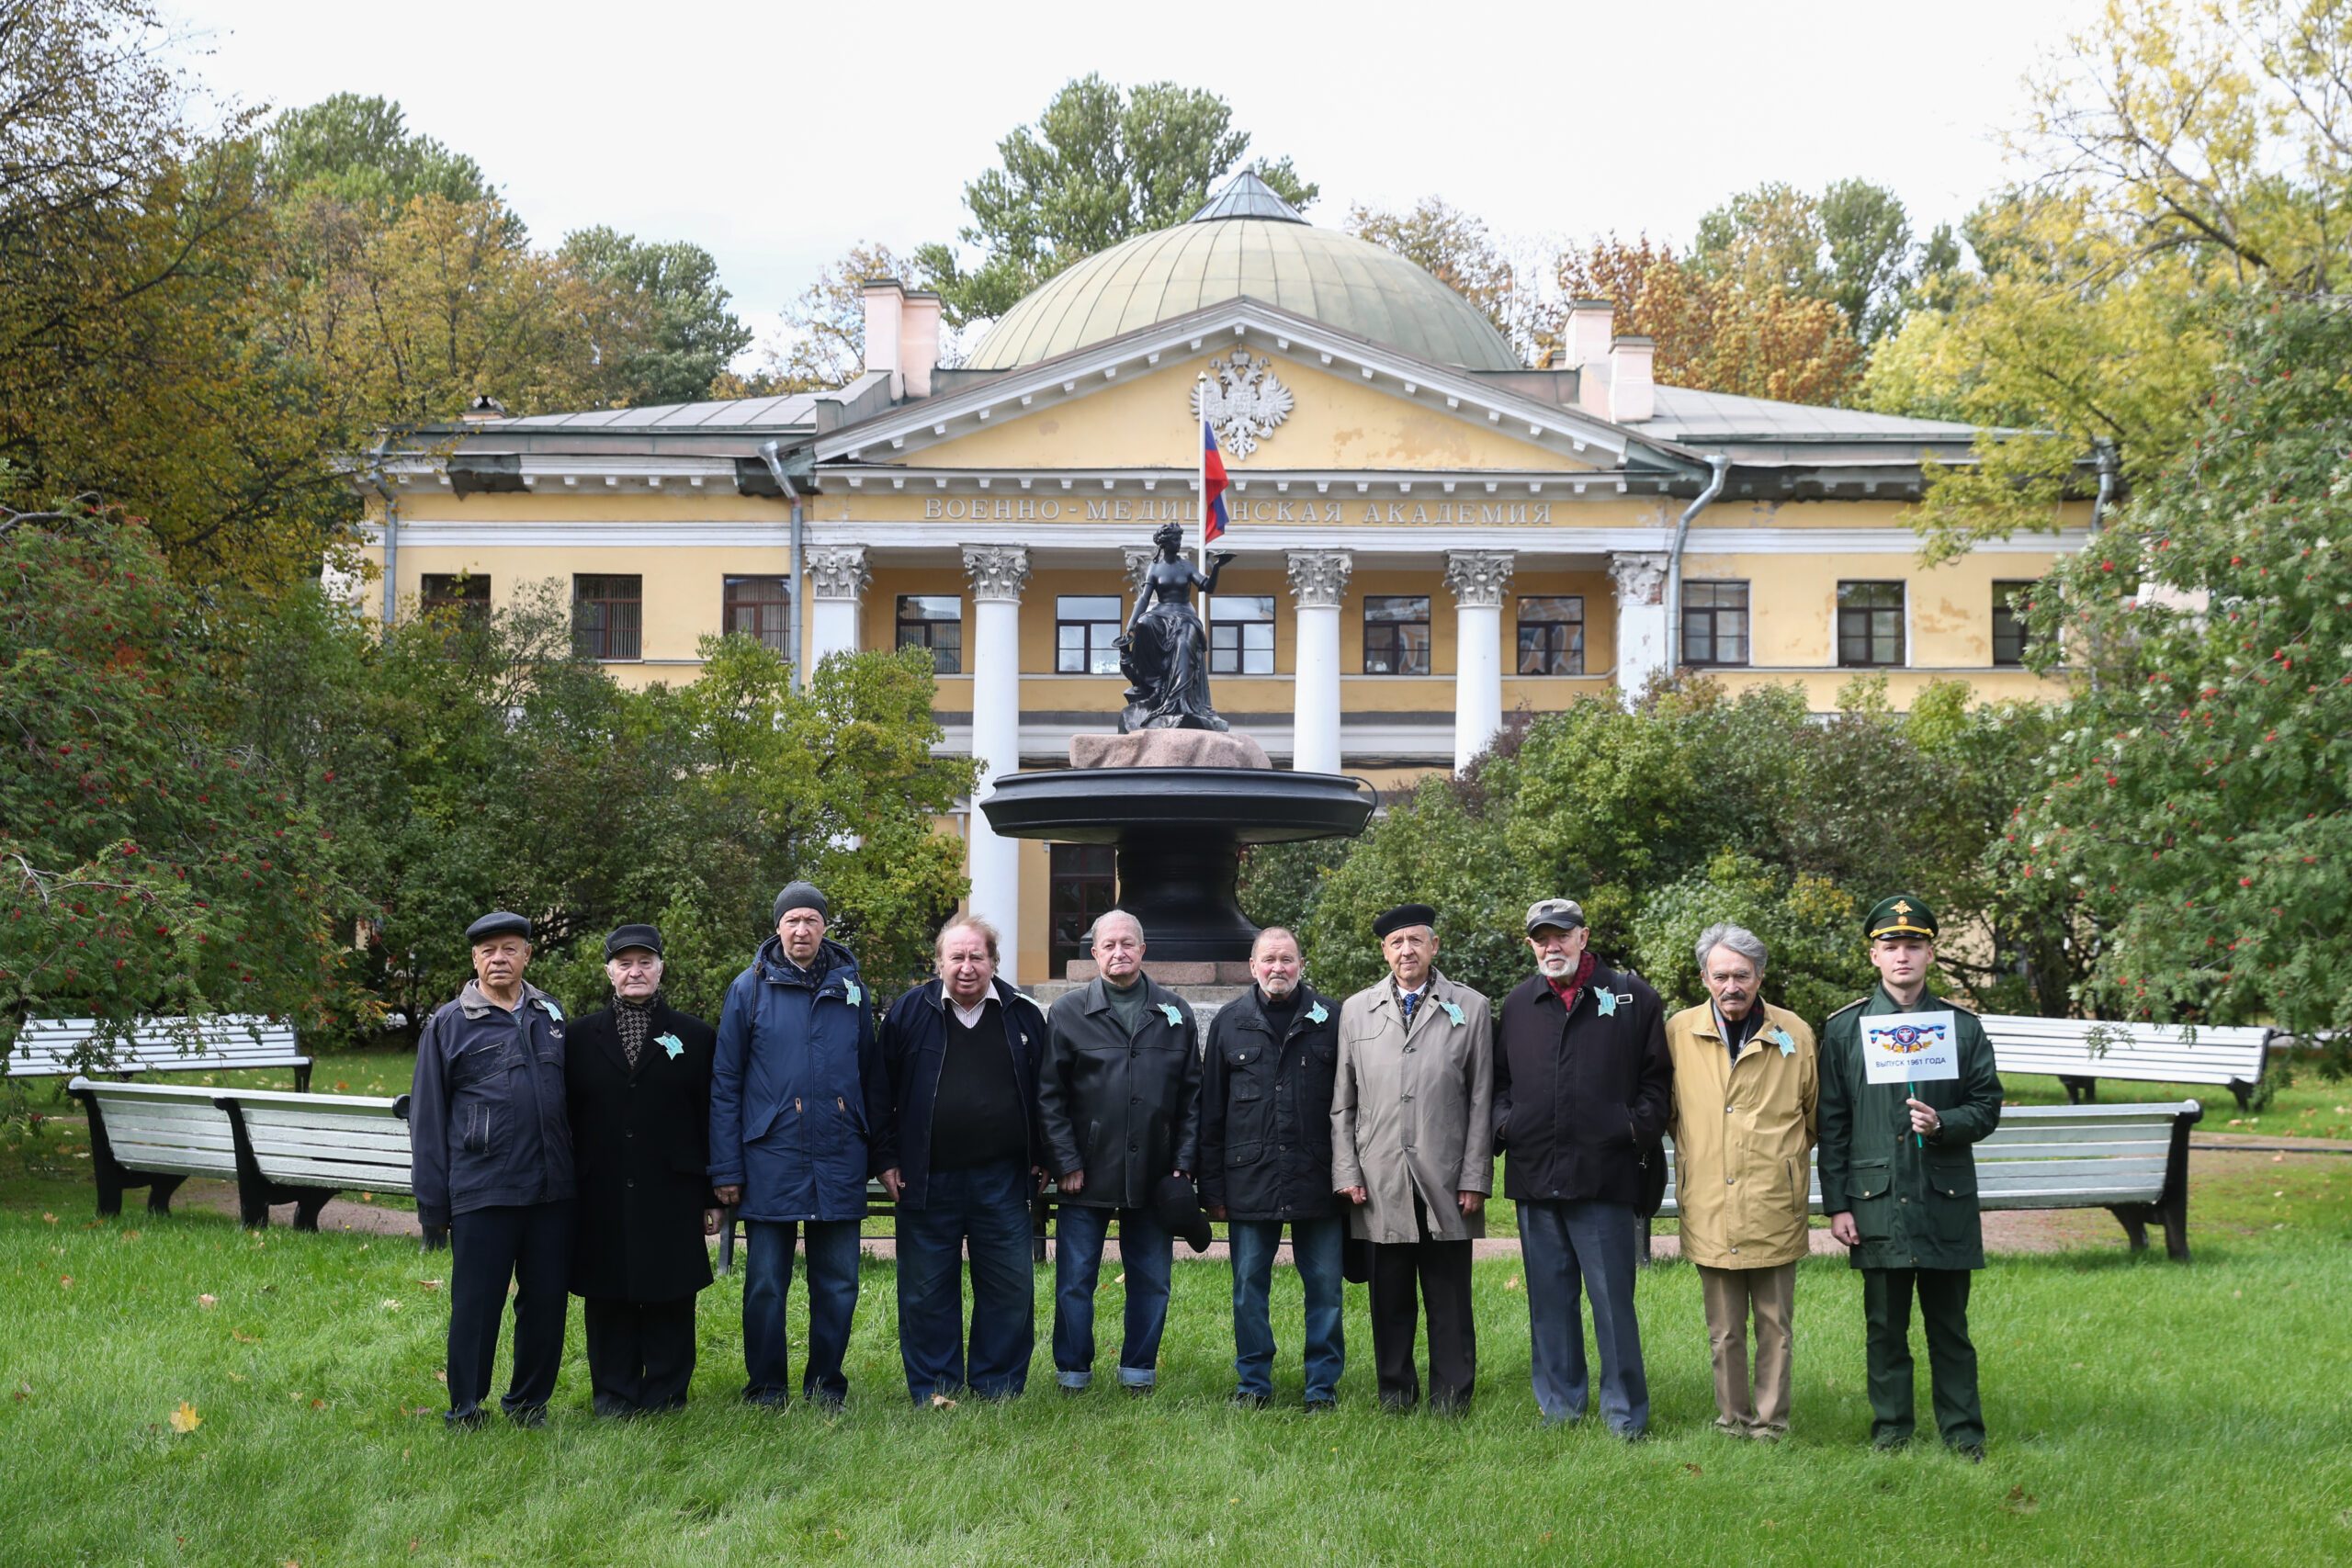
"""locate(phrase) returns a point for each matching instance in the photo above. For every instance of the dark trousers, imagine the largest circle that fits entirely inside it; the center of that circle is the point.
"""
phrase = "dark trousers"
(833, 1305)
(986, 1210)
(529, 1244)
(1952, 1358)
(1438, 1273)
(641, 1354)
(1574, 1252)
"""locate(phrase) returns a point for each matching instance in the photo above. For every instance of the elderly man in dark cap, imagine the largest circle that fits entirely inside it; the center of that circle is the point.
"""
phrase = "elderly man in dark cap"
(1412, 1150)
(638, 1079)
(796, 1090)
(1898, 1178)
(1583, 1086)
(490, 1150)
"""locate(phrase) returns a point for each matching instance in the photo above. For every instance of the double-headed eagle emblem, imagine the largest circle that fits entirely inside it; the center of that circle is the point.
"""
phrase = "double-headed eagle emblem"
(1241, 400)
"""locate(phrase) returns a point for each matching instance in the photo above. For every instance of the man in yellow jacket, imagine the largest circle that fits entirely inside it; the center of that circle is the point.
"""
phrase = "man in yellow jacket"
(1746, 1097)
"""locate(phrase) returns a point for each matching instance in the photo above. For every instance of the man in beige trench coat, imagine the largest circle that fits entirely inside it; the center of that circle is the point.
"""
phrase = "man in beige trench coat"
(1747, 1097)
(1412, 1150)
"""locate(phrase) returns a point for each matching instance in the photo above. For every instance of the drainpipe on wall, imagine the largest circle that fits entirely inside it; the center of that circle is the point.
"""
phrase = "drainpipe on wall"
(391, 539)
(771, 454)
(2107, 466)
(1721, 464)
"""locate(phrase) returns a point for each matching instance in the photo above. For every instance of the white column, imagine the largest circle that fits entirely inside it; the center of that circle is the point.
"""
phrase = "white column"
(1479, 580)
(999, 574)
(1319, 580)
(837, 580)
(1641, 624)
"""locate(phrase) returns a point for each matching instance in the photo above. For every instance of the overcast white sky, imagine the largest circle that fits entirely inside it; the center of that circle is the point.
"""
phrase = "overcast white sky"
(776, 135)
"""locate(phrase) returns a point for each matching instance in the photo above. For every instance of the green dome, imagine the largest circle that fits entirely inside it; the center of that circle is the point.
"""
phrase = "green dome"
(1247, 243)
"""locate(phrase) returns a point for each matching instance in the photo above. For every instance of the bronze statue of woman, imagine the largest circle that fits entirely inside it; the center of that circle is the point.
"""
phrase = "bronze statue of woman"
(1165, 654)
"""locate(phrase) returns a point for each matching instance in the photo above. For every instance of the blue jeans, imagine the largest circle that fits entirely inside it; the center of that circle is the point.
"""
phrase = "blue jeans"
(1147, 1253)
(833, 1302)
(988, 1208)
(1315, 1247)
(1563, 1246)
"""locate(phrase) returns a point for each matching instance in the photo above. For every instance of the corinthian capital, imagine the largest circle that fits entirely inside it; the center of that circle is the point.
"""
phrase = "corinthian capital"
(1478, 578)
(998, 572)
(838, 572)
(1640, 576)
(1318, 579)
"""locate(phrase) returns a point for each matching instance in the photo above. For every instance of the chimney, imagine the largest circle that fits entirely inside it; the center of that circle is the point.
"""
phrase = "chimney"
(1584, 343)
(1631, 395)
(919, 342)
(886, 303)
(484, 409)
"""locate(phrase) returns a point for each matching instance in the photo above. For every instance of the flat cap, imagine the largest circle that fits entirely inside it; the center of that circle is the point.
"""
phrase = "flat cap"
(801, 896)
(625, 937)
(1565, 913)
(499, 922)
(1403, 915)
(1901, 914)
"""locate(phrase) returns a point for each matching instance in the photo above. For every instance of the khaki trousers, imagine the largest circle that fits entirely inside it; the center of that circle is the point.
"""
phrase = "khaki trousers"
(1731, 1294)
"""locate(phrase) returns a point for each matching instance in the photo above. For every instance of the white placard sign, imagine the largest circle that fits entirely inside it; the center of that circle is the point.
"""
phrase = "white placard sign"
(1910, 1047)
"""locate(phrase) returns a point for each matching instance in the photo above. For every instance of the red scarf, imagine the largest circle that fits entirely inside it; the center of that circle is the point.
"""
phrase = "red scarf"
(1571, 988)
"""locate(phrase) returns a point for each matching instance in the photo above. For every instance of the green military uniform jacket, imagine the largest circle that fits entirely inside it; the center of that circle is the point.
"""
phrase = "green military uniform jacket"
(1915, 1206)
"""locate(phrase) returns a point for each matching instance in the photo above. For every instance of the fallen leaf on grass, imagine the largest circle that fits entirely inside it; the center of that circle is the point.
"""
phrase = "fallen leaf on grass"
(51, 1218)
(65, 1281)
(241, 1338)
(185, 1420)
(341, 1086)
(2019, 1501)
(1121, 1279)
(390, 1305)
(24, 1391)
(1512, 1283)
(367, 1197)
(130, 1235)
(236, 1377)
(318, 1404)
(2277, 1159)
(429, 1285)
(441, 1375)
(1694, 1469)
(207, 1301)
(940, 1402)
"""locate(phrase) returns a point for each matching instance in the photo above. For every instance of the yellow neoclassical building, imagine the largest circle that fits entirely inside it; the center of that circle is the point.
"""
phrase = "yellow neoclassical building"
(1430, 535)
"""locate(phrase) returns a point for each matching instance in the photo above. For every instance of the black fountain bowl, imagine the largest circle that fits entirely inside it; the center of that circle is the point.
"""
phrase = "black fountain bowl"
(1238, 806)
(1179, 832)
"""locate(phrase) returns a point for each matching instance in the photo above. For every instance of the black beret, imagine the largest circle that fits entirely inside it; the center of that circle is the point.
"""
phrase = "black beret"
(1403, 915)
(801, 896)
(625, 937)
(499, 922)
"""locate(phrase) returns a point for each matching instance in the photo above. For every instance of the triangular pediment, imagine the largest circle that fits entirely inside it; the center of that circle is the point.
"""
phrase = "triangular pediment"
(1289, 396)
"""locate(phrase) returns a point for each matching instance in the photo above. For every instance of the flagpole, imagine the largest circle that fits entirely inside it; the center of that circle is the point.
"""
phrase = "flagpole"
(1201, 483)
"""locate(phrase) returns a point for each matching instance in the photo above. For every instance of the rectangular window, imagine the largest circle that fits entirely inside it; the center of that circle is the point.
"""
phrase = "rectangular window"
(1241, 634)
(2010, 602)
(757, 607)
(1869, 624)
(1396, 634)
(1086, 629)
(1081, 880)
(607, 616)
(462, 595)
(1715, 623)
(934, 621)
(1551, 635)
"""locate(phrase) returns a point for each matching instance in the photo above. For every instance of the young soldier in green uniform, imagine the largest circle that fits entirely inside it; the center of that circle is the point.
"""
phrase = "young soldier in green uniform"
(1899, 1184)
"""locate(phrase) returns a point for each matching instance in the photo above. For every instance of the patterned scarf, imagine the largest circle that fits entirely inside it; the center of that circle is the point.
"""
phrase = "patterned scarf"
(1570, 989)
(636, 1022)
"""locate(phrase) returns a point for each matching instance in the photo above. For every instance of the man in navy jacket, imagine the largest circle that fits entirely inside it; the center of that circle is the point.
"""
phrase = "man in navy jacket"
(796, 1089)
(961, 1155)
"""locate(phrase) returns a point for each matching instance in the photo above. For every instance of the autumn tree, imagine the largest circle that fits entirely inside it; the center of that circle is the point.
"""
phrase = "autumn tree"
(1101, 163)
(1455, 248)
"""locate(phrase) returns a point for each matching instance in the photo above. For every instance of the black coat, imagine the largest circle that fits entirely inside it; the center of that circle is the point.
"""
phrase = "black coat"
(913, 1044)
(641, 1143)
(1581, 1102)
(1266, 1111)
(1124, 1108)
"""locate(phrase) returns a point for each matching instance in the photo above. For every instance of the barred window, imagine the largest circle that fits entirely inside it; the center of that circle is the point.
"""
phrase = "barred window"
(608, 616)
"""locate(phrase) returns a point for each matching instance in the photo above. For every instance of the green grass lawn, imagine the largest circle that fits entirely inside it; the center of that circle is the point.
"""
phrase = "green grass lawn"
(2140, 1411)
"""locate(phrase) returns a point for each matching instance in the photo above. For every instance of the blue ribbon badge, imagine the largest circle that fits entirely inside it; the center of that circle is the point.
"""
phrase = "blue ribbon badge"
(1605, 1003)
(1175, 1014)
(852, 993)
(1318, 1013)
(1780, 1037)
(671, 1043)
(1453, 1011)
(553, 1011)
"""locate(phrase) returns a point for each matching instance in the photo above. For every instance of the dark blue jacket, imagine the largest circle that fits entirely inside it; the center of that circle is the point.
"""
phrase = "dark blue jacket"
(796, 1089)
(487, 1125)
(914, 1045)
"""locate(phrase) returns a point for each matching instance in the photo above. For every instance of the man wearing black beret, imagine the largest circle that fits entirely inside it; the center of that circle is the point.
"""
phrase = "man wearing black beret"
(639, 1077)
(1412, 1149)
(491, 1152)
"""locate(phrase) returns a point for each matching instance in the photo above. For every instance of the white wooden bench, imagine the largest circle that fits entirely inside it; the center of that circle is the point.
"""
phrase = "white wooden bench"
(2079, 1052)
(2129, 1159)
(56, 1047)
(278, 1149)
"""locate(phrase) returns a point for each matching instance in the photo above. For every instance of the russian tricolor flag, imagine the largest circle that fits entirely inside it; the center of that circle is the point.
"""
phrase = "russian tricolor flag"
(1214, 516)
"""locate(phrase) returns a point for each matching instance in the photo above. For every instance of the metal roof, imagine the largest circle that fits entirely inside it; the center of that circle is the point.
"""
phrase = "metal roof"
(1701, 418)
(1259, 249)
(790, 411)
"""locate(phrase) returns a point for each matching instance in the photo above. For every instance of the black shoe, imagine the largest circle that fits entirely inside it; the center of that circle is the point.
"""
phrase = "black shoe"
(1973, 1452)
(1322, 1407)
(467, 1421)
(767, 1401)
(1244, 1400)
(1396, 1403)
(530, 1417)
(1890, 1445)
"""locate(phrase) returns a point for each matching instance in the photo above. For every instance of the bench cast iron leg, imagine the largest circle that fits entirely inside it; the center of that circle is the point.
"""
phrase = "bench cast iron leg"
(2134, 1219)
(2081, 1092)
(307, 1208)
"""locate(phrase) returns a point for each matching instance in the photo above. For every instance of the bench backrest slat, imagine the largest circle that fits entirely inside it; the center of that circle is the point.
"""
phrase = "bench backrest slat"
(2146, 1052)
(45, 1047)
